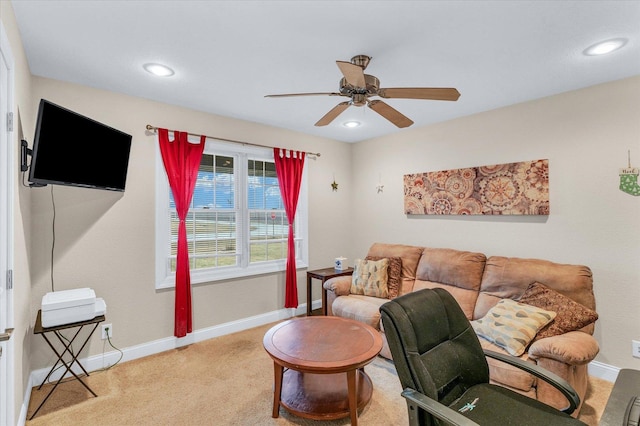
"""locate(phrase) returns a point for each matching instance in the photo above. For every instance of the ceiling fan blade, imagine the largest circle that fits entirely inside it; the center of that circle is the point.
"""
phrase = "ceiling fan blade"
(391, 114)
(304, 94)
(354, 74)
(438, 94)
(331, 115)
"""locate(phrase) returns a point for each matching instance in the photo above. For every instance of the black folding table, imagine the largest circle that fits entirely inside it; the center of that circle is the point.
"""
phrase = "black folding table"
(66, 343)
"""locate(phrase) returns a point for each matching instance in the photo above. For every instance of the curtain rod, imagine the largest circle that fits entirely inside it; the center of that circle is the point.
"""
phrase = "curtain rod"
(155, 129)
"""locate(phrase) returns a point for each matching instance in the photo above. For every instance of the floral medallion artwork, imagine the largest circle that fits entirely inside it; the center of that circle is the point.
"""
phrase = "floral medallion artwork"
(502, 189)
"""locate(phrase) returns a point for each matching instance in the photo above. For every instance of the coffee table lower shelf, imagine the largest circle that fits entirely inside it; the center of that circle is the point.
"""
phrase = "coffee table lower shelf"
(322, 396)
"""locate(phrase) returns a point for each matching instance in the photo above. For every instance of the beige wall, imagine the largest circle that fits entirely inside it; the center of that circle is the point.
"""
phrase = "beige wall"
(585, 134)
(105, 240)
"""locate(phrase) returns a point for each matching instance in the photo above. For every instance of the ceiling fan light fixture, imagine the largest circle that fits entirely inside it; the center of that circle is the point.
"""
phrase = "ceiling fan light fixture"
(358, 86)
(158, 70)
(604, 47)
(351, 124)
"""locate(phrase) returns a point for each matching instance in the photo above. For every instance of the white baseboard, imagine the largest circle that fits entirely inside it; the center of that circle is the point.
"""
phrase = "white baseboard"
(22, 418)
(97, 362)
(603, 371)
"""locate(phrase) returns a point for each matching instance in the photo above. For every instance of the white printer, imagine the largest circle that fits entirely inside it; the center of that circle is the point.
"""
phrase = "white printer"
(69, 306)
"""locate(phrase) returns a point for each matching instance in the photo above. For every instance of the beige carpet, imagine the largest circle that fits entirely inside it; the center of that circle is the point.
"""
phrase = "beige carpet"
(222, 381)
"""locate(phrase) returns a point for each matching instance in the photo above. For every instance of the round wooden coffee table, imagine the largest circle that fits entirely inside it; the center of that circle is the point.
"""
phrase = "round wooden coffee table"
(316, 352)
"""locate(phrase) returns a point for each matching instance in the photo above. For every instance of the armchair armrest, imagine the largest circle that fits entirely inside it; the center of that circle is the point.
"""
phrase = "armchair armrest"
(417, 401)
(573, 348)
(341, 286)
(553, 379)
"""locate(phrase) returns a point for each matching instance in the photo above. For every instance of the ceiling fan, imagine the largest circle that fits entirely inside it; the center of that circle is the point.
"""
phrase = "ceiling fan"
(360, 87)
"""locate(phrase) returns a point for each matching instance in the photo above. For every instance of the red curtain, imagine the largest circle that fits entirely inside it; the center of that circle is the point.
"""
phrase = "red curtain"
(181, 161)
(289, 171)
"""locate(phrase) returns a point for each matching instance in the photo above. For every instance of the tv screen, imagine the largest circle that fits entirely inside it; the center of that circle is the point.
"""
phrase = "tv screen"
(71, 149)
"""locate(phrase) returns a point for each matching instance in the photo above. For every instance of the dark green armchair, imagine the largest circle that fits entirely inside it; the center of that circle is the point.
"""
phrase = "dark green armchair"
(444, 372)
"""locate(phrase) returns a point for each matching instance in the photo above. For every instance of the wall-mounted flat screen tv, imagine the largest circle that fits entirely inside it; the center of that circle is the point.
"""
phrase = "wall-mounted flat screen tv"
(71, 149)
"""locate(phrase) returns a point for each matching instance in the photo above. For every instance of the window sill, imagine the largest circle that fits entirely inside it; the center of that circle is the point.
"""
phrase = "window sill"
(199, 277)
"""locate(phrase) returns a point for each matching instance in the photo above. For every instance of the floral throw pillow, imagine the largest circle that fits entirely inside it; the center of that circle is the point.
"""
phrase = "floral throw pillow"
(370, 278)
(512, 325)
(571, 314)
(394, 274)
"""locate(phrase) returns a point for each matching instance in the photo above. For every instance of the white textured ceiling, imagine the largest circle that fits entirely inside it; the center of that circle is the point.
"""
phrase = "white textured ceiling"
(228, 54)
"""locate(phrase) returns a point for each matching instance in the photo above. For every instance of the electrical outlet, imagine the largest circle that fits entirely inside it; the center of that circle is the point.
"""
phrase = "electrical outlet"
(635, 348)
(109, 328)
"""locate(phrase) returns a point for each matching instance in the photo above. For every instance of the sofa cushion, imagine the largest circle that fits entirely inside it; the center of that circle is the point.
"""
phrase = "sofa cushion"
(458, 272)
(458, 268)
(360, 308)
(571, 315)
(465, 298)
(394, 274)
(410, 256)
(370, 278)
(512, 325)
(509, 277)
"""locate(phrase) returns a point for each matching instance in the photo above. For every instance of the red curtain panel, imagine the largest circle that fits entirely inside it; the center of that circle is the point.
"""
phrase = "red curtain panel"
(289, 166)
(181, 162)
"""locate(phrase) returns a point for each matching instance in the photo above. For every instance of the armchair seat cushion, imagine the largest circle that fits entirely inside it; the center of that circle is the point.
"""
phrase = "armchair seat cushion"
(491, 402)
(360, 308)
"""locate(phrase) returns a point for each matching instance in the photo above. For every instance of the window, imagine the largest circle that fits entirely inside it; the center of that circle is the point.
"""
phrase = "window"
(236, 225)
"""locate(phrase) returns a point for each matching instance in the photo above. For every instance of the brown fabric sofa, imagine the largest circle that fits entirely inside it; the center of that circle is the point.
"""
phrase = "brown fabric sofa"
(478, 283)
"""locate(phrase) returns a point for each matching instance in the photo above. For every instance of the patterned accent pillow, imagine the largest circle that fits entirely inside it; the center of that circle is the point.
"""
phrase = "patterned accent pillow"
(512, 325)
(571, 315)
(370, 278)
(394, 274)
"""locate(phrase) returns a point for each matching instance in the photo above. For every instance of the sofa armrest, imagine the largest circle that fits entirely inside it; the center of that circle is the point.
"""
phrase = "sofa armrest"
(573, 348)
(340, 286)
(550, 377)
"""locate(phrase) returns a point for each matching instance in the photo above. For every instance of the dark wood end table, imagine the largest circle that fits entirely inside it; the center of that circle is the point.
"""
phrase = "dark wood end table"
(323, 275)
(316, 352)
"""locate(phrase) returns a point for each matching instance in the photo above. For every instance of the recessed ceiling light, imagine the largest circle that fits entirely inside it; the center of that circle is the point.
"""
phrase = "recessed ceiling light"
(159, 70)
(605, 47)
(351, 124)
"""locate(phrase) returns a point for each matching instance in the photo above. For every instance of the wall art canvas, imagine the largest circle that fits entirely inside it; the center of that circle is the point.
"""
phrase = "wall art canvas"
(502, 189)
